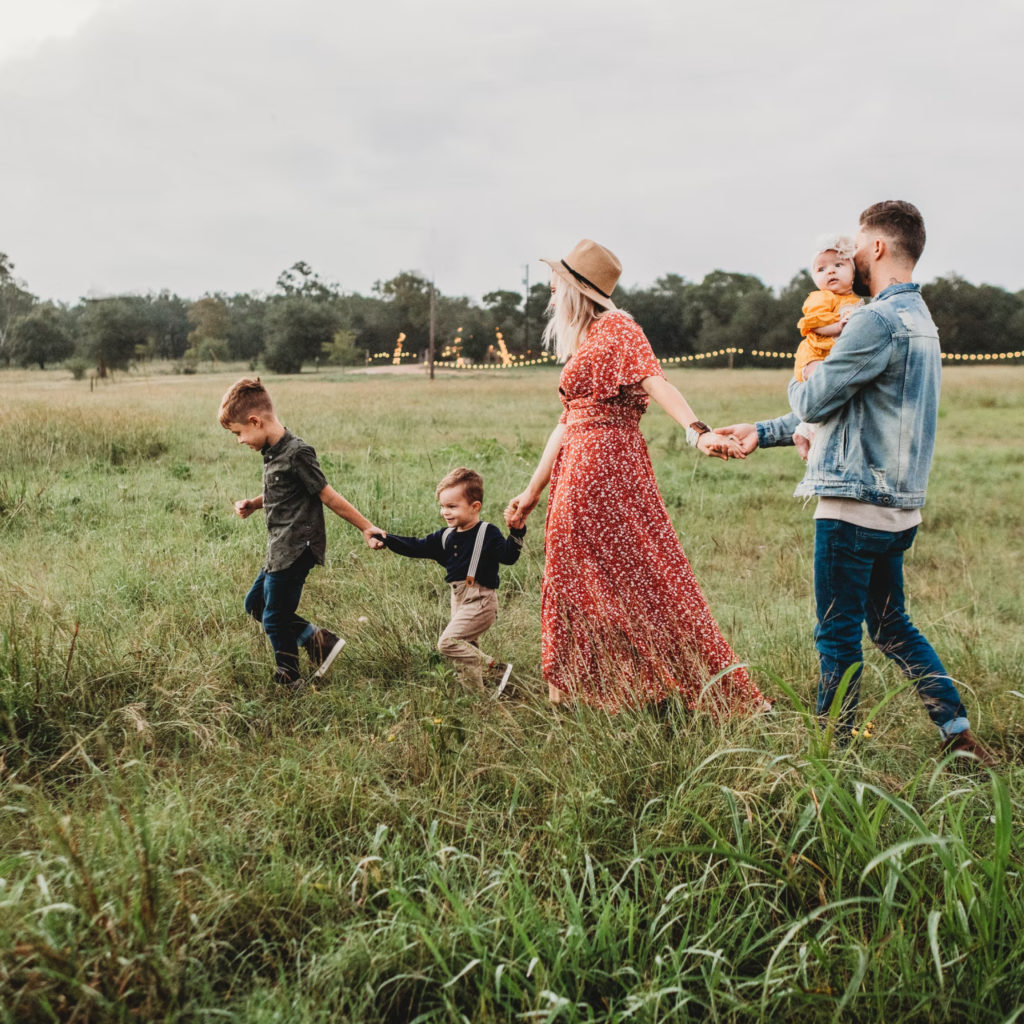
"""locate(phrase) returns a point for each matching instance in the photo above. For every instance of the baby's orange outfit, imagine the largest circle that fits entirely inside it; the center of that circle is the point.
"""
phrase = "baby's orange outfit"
(820, 309)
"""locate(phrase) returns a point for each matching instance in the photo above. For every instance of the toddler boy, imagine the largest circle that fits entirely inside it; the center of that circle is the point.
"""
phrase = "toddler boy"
(470, 551)
(294, 493)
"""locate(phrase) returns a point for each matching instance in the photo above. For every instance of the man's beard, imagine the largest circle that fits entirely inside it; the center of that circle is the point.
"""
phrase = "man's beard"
(861, 286)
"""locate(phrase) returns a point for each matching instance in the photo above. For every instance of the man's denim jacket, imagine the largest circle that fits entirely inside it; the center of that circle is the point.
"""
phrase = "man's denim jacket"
(875, 400)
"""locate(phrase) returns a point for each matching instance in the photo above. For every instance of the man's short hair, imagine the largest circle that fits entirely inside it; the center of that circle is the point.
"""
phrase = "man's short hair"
(471, 482)
(242, 399)
(899, 221)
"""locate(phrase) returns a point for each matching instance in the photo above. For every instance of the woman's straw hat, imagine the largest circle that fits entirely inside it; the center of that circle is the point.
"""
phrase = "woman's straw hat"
(592, 268)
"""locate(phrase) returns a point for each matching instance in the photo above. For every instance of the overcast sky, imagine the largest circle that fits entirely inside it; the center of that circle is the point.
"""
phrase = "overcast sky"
(205, 145)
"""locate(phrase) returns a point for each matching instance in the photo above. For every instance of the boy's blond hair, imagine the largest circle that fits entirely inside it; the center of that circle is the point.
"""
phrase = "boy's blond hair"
(242, 399)
(471, 482)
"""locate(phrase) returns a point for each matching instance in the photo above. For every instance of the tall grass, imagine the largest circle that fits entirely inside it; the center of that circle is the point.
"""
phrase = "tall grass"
(180, 842)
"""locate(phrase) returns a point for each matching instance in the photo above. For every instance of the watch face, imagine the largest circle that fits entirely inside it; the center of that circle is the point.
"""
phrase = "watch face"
(700, 426)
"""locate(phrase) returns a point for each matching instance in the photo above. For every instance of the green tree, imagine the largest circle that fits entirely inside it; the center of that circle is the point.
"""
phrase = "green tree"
(246, 315)
(298, 328)
(718, 298)
(536, 314)
(974, 318)
(406, 309)
(667, 312)
(168, 326)
(300, 280)
(341, 350)
(506, 310)
(15, 302)
(114, 331)
(211, 324)
(42, 336)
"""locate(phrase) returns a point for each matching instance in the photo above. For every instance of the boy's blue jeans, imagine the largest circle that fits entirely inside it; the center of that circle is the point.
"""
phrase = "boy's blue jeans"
(272, 601)
(858, 578)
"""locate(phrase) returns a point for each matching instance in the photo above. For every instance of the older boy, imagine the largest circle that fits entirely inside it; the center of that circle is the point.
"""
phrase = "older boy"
(294, 493)
(470, 551)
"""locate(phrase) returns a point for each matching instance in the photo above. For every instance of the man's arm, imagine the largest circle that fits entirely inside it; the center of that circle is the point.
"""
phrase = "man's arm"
(859, 356)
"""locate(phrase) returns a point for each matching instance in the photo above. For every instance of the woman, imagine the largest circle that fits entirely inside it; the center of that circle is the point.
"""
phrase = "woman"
(623, 621)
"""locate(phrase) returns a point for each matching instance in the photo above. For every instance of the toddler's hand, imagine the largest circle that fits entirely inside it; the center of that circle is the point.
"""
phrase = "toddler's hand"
(513, 519)
(244, 508)
(374, 537)
(802, 445)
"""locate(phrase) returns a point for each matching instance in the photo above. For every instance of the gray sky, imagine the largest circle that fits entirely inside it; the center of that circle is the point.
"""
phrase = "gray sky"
(205, 145)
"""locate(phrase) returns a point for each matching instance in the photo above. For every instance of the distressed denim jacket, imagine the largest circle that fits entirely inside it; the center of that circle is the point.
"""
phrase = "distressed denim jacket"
(876, 401)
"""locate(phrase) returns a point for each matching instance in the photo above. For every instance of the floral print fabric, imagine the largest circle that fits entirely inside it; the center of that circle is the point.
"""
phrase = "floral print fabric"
(623, 619)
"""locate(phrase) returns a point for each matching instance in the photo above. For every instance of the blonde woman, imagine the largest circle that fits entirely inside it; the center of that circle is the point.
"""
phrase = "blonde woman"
(623, 620)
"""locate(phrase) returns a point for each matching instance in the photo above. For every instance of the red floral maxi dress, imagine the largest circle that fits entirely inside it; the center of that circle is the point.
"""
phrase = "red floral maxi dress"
(623, 621)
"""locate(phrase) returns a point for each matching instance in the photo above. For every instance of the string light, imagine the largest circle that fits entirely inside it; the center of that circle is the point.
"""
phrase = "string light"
(695, 357)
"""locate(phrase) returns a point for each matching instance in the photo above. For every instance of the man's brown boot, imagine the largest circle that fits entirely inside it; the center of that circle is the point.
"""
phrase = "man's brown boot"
(967, 744)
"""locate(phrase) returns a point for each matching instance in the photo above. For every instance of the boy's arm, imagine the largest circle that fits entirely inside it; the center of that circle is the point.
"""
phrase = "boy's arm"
(339, 506)
(246, 507)
(416, 547)
(507, 549)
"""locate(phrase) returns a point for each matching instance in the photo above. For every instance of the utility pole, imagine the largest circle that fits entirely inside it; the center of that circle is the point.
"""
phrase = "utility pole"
(526, 308)
(430, 357)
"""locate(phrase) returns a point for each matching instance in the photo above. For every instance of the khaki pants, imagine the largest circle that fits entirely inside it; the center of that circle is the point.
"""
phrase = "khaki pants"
(474, 611)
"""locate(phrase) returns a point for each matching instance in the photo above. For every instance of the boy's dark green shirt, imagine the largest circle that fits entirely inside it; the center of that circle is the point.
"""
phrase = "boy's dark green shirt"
(292, 482)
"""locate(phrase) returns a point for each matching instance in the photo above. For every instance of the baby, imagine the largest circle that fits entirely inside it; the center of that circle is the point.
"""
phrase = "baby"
(825, 314)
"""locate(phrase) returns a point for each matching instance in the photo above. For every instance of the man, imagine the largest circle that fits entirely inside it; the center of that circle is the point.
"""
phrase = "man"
(876, 397)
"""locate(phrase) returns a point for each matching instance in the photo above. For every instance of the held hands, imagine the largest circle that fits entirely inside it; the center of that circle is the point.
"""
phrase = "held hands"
(745, 435)
(519, 508)
(374, 537)
(720, 445)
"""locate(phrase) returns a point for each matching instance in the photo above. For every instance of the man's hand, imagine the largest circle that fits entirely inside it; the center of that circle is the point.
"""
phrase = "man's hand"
(374, 537)
(745, 435)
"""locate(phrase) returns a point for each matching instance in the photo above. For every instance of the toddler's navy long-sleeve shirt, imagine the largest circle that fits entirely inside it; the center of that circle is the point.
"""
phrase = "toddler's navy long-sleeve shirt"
(456, 554)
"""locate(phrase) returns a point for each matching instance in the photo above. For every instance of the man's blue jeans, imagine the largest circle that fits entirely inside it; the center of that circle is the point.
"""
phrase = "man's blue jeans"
(272, 601)
(858, 578)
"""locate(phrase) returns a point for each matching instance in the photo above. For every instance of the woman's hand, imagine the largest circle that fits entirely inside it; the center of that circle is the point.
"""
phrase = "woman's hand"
(519, 508)
(720, 446)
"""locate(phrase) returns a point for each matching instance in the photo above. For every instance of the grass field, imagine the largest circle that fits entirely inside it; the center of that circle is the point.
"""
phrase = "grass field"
(181, 842)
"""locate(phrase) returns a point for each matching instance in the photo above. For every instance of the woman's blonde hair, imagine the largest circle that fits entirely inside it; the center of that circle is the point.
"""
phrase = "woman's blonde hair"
(570, 314)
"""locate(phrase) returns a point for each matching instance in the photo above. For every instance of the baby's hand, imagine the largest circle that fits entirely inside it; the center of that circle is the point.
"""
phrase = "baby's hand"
(802, 445)
(374, 537)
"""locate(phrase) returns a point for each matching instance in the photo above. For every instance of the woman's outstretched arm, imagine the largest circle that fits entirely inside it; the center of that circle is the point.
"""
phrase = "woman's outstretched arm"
(671, 400)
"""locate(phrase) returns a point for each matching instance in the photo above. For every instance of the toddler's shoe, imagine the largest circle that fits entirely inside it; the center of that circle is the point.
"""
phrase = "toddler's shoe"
(323, 647)
(502, 671)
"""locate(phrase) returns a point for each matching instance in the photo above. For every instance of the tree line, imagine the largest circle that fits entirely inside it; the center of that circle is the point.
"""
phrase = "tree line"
(306, 320)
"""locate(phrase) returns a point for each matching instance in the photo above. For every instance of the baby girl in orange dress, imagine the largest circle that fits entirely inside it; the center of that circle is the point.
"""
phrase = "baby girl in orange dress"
(826, 311)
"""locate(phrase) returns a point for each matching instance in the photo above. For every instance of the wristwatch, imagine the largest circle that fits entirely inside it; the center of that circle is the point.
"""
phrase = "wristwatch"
(694, 431)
